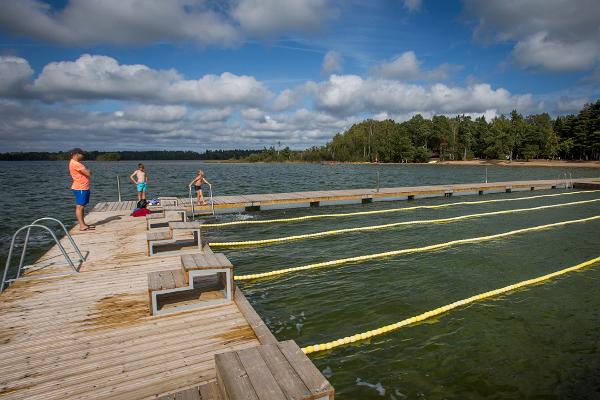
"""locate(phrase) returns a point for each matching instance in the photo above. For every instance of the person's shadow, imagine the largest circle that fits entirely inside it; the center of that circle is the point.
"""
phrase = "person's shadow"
(107, 220)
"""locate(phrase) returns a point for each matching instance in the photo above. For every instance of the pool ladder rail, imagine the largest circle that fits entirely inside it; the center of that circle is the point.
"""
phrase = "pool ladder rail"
(38, 225)
(212, 203)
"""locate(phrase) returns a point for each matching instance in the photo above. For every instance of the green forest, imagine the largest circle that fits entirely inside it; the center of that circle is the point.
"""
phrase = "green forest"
(507, 137)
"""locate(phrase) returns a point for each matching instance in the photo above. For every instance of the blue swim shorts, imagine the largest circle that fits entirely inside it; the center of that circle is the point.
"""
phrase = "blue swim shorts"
(141, 187)
(82, 197)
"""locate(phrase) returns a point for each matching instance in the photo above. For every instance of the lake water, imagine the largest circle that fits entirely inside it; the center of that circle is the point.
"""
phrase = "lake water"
(542, 342)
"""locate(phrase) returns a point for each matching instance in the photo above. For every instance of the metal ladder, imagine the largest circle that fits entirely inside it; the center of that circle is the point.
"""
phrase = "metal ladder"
(212, 203)
(36, 224)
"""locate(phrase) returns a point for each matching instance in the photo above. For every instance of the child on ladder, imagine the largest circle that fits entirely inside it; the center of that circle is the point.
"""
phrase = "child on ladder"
(141, 181)
(196, 183)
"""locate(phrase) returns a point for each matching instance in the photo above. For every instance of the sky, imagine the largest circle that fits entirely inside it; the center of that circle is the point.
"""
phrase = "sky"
(206, 74)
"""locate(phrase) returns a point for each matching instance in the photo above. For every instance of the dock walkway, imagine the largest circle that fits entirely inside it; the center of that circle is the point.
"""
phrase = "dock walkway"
(91, 336)
(254, 202)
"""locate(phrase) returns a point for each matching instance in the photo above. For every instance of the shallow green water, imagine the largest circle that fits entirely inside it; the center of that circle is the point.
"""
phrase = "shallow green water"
(542, 343)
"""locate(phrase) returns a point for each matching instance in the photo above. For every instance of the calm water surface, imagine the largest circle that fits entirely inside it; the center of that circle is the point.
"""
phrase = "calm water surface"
(538, 343)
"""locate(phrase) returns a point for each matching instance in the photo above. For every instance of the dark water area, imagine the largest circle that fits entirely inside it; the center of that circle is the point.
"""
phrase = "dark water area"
(542, 342)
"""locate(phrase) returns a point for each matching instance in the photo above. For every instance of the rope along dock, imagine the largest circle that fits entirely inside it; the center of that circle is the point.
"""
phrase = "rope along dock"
(391, 225)
(441, 310)
(423, 249)
(376, 212)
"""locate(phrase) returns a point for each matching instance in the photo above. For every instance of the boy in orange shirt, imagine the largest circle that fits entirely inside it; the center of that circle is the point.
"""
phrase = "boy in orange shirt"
(80, 187)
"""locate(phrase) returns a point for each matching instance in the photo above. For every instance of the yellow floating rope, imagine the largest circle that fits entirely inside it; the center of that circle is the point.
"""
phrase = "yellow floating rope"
(390, 210)
(443, 309)
(411, 250)
(390, 225)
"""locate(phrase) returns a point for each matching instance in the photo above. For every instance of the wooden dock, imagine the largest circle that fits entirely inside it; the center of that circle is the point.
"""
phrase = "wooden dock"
(255, 202)
(90, 335)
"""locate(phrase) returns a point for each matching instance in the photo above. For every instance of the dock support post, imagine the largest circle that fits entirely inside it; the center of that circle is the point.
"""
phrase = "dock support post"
(508, 190)
(411, 197)
(252, 208)
(367, 200)
(315, 203)
(481, 192)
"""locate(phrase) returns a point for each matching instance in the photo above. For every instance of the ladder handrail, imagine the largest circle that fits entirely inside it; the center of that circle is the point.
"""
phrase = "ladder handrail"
(212, 203)
(12, 244)
(67, 234)
(192, 203)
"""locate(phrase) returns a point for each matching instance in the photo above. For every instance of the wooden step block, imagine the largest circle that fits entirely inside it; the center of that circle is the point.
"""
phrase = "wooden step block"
(164, 280)
(174, 208)
(191, 225)
(156, 215)
(198, 261)
(158, 235)
(273, 371)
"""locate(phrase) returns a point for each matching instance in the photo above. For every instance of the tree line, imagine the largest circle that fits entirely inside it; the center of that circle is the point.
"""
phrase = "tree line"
(507, 137)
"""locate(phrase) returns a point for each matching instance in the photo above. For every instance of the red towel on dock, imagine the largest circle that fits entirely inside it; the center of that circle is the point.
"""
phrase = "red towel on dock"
(140, 212)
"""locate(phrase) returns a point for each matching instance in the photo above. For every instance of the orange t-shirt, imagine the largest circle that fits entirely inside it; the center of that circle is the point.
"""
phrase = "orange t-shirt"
(80, 181)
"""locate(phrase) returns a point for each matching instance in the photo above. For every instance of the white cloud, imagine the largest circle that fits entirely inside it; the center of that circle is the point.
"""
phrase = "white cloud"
(15, 72)
(332, 62)
(412, 5)
(87, 22)
(348, 94)
(253, 114)
(556, 35)
(406, 66)
(288, 98)
(101, 77)
(266, 17)
(118, 22)
(571, 104)
(539, 51)
(151, 112)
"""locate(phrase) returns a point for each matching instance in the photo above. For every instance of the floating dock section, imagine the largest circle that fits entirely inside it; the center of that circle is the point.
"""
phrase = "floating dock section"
(255, 202)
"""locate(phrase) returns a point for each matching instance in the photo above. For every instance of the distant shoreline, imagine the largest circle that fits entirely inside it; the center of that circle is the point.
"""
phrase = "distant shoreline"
(491, 163)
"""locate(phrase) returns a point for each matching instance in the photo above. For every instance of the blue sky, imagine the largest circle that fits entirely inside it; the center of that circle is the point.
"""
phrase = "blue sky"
(201, 74)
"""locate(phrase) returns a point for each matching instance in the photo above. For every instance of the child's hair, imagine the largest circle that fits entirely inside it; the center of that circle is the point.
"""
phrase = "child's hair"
(200, 172)
(141, 166)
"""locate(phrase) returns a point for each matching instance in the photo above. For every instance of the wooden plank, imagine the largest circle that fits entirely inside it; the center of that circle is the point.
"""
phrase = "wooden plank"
(262, 332)
(167, 280)
(179, 278)
(210, 391)
(233, 381)
(188, 394)
(306, 370)
(223, 260)
(158, 235)
(190, 225)
(260, 376)
(283, 372)
(154, 282)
